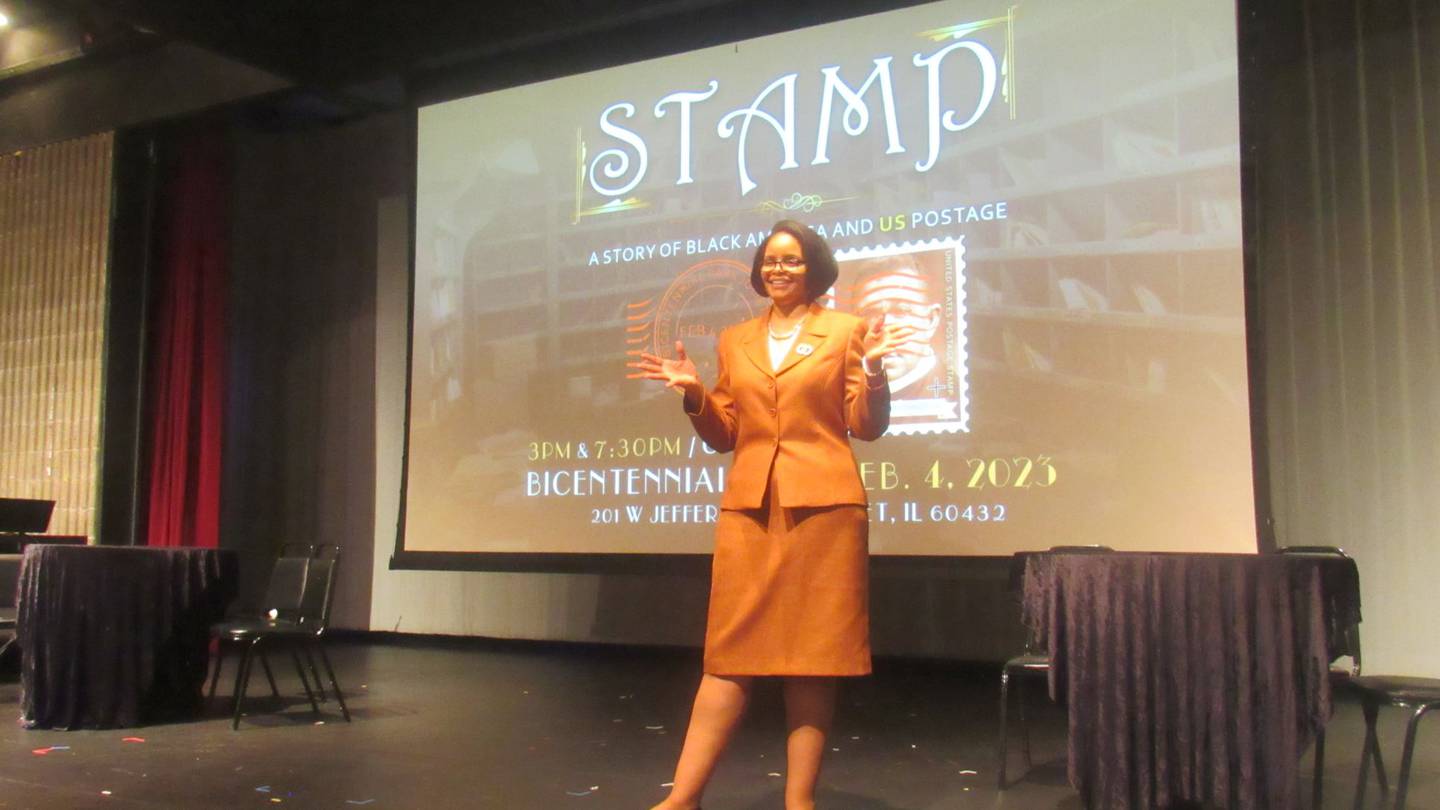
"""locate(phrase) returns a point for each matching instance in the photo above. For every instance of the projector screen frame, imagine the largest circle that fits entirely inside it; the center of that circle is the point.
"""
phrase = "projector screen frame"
(436, 89)
(1251, 47)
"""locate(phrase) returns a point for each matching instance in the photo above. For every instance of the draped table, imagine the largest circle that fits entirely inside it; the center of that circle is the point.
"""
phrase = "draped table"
(1190, 677)
(117, 635)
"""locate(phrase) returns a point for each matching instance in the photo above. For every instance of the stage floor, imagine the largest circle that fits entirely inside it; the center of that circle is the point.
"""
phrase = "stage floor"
(480, 724)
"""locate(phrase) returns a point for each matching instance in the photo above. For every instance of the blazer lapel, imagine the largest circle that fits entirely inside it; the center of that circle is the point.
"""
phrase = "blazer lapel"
(756, 348)
(817, 326)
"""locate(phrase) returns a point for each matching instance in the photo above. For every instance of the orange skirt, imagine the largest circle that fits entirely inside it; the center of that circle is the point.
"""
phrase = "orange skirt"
(790, 591)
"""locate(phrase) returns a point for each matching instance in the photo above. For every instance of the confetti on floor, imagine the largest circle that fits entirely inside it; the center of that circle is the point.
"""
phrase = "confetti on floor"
(359, 801)
(773, 773)
(105, 793)
(132, 739)
(968, 773)
(653, 728)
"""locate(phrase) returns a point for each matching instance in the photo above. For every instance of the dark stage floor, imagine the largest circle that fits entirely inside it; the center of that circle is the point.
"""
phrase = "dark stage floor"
(467, 723)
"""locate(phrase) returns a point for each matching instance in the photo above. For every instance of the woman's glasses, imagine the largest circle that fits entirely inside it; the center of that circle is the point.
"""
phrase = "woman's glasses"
(787, 262)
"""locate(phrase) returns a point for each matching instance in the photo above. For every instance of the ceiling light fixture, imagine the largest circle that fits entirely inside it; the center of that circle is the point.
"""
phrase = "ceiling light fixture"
(4, 21)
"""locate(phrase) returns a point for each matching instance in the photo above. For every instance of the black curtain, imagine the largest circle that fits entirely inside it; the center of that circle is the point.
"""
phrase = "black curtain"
(1342, 127)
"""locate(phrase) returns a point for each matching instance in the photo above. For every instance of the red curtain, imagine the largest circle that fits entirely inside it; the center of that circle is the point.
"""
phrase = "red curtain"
(186, 383)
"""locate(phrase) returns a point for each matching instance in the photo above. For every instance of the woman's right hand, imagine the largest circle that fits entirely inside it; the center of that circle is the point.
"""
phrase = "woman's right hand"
(678, 374)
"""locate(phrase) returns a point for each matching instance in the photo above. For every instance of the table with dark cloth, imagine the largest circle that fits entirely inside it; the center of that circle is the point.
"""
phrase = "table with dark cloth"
(1190, 677)
(117, 635)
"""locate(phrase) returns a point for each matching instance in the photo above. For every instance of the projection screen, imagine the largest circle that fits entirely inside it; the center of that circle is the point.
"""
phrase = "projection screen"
(1049, 191)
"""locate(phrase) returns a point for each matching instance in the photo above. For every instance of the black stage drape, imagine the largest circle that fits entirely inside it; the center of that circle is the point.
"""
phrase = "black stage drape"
(1341, 124)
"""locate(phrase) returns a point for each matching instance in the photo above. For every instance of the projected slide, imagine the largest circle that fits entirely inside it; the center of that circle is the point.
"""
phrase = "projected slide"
(1049, 192)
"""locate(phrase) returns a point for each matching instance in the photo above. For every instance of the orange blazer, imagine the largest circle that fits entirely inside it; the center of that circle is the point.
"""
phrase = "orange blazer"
(798, 418)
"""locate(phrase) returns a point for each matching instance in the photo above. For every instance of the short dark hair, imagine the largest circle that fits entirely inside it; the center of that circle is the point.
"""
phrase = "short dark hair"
(820, 267)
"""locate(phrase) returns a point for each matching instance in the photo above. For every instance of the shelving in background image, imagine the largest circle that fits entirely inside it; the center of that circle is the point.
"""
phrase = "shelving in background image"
(1120, 266)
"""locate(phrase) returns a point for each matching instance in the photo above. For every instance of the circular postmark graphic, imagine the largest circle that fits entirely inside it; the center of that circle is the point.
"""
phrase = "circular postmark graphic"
(704, 299)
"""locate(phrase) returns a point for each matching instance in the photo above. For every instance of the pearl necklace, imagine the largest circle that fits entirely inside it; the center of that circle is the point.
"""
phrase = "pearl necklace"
(787, 335)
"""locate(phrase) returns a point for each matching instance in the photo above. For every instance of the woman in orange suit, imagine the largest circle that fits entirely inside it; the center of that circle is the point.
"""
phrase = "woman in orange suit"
(789, 590)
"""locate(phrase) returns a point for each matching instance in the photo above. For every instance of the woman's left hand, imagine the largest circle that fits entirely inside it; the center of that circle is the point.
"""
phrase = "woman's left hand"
(881, 340)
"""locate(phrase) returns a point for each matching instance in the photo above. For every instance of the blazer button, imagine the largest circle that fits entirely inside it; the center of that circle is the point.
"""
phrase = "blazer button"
(770, 384)
(771, 410)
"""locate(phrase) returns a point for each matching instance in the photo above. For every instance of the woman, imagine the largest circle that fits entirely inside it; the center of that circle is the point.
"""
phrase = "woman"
(789, 591)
